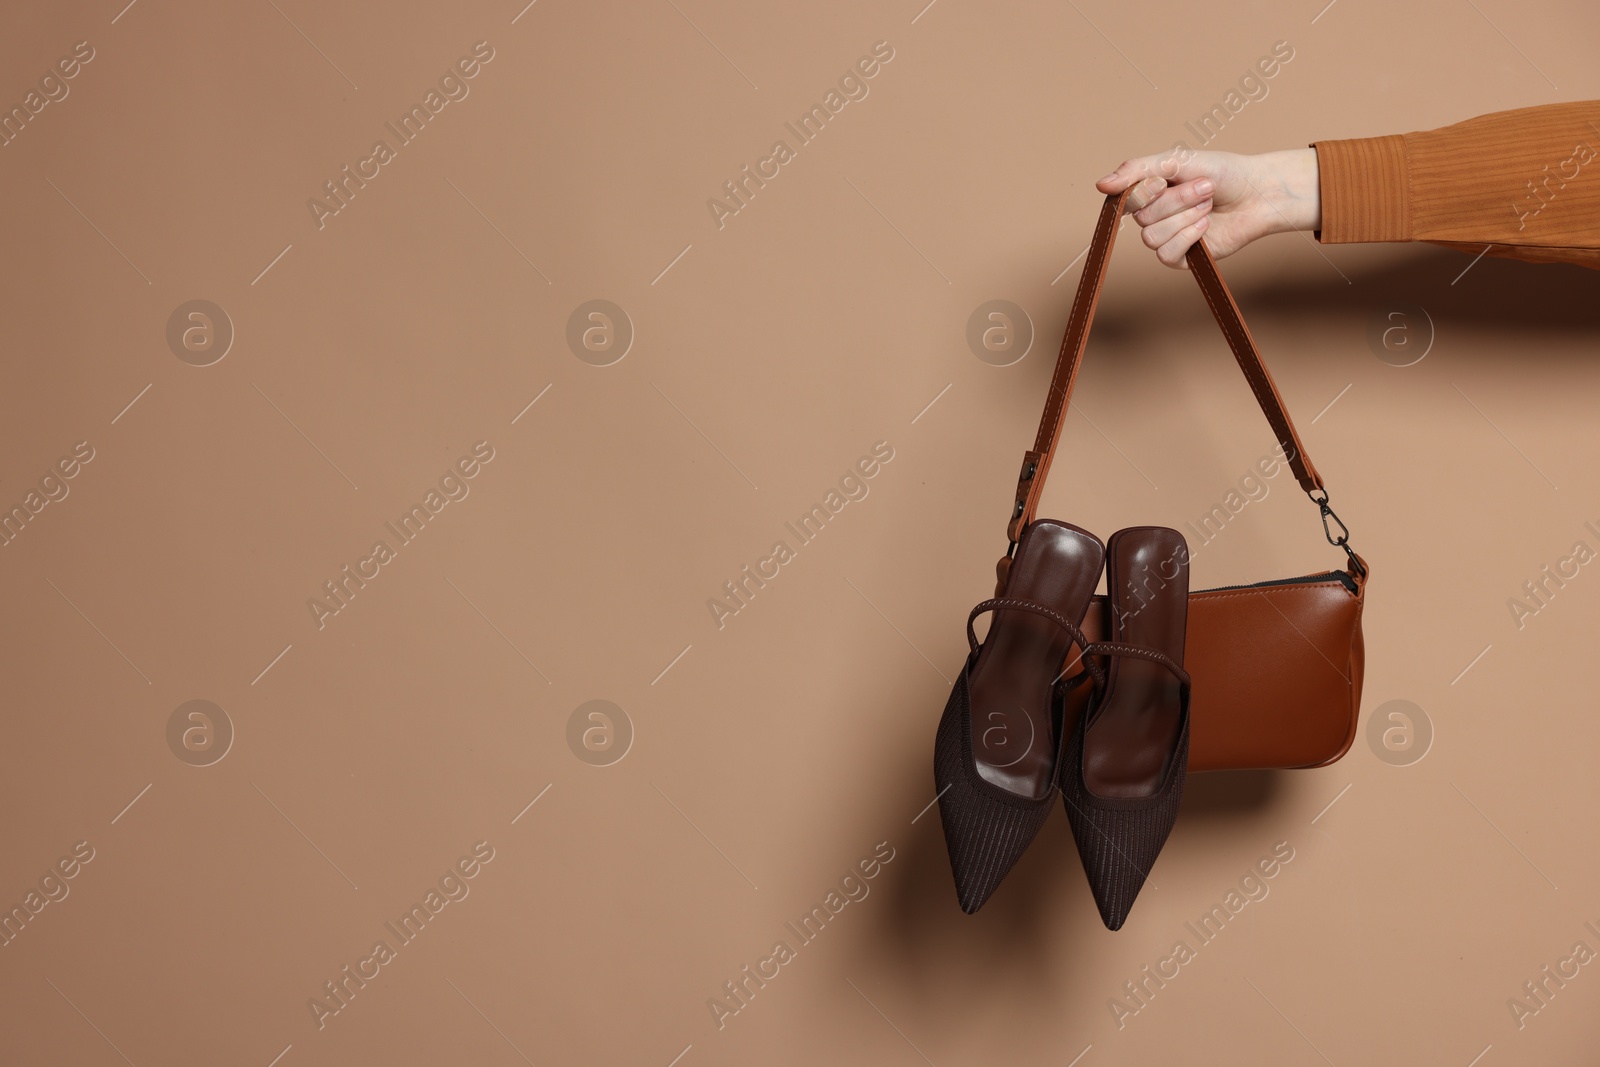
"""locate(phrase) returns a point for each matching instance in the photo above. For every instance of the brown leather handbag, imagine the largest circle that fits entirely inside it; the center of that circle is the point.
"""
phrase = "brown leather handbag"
(1276, 665)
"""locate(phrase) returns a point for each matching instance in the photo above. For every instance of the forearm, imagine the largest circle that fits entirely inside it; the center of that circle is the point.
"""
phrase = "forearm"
(1525, 181)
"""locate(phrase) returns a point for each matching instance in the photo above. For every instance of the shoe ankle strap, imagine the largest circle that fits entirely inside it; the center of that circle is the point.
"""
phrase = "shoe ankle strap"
(1112, 648)
(996, 603)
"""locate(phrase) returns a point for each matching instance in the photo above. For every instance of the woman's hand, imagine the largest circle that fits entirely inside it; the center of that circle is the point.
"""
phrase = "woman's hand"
(1181, 196)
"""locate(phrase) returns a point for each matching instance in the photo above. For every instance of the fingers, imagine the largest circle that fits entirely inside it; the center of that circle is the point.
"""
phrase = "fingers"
(1174, 165)
(1146, 192)
(1157, 234)
(1173, 251)
(1173, 199)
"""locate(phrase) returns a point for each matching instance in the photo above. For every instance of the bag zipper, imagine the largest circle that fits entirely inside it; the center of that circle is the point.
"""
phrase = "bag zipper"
(1340, 576)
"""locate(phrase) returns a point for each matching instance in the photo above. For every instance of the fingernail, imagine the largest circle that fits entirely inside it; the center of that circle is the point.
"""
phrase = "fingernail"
(1204, 186)
(1108, 177)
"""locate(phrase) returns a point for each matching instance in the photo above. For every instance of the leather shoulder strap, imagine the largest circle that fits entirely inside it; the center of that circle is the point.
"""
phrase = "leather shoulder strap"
(1036, 463)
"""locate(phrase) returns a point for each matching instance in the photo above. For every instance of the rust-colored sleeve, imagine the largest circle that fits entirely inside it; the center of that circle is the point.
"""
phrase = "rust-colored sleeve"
(1524, 182)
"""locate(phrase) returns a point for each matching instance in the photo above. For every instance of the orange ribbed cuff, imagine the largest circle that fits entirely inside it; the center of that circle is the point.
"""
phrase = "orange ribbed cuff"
(1365, 188)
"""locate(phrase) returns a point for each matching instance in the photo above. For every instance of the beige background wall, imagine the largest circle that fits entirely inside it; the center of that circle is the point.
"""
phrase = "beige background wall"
(770, 756)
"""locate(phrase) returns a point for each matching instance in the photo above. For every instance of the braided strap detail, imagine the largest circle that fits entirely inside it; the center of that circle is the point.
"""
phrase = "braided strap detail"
(1053, 615)
(1112, 648)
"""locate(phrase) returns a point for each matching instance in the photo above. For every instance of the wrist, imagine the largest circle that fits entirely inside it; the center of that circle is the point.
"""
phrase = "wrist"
(1293, 189)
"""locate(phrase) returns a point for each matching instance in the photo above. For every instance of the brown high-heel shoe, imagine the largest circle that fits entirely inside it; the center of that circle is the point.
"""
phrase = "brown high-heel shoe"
(1123, 772)
(999, 740)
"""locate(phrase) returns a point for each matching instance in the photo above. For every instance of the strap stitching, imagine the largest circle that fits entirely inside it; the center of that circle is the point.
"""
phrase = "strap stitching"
(1250, 373)
(1076, 340)
(1104, 231)
(1252, 368)
(1067, 369)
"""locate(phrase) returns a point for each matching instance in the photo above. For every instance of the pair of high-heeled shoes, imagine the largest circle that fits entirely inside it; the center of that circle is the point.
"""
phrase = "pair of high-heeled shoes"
(1005, 745)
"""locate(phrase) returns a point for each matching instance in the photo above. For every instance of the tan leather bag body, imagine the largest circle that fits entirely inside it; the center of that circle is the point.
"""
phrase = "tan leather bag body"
(1277, 665)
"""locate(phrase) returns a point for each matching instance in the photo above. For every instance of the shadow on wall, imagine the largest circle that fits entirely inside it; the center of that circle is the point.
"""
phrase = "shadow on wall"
(1003, 955)
(1494, 294)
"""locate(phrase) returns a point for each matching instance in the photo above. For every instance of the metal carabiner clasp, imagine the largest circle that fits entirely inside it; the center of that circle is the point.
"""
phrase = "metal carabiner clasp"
(1344, 531)
(1341, 541)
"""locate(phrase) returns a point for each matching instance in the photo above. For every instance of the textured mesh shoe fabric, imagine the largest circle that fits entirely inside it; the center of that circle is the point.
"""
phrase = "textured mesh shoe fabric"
(986, 829)
(1119, 838)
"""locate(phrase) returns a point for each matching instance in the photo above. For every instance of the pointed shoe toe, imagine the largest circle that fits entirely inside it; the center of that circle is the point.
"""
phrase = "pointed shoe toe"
(986, 828)
(1119, 838)
(999, 740)
(1123, 771)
